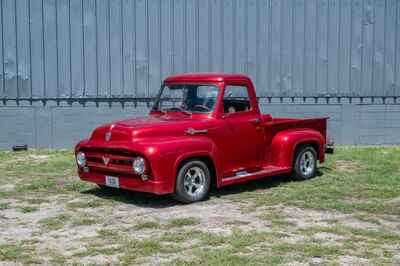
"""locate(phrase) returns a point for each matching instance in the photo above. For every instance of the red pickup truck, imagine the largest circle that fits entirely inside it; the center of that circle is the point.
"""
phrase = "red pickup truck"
(204, 129)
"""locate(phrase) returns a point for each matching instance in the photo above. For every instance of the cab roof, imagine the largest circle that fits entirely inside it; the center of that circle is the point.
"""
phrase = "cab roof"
(206, 77)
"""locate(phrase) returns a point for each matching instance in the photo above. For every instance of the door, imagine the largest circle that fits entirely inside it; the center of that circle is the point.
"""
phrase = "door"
(244, 140)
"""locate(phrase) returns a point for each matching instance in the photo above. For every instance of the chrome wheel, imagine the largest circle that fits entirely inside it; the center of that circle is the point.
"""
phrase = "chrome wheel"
(307, 163)
(194, 181)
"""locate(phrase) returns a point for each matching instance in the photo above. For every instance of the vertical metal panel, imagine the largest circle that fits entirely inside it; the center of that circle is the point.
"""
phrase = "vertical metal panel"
(178, 35)
(286, 47)
(141, 37)
(74, 48)
(275, 61)
(154, 47)
(64, 47)
(333, 46)
(128, 47)
(50, 47)
(263, 47)
(228, 40)
(77, 57)
(390, 37)
(356, 47)
(216, 36)
(191, 40)
(2, 89)
(116, 39)
(90, 47)
(103, 48)
(252, 40)
(167, 59)
(379, 47)
(367, 48)
(240, 37)
(203, 33)
(322, 46)
(36, 39)
(10, 48)
(344, 47)
(298, 45)
(397, 49)
(309, 67)
(23, 63)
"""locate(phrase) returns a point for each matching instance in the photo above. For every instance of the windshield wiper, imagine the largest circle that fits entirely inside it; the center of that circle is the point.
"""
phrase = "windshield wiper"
(180, 109)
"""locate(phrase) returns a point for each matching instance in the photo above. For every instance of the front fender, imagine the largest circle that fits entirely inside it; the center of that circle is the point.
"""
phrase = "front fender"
(166, 155)
(284, 145)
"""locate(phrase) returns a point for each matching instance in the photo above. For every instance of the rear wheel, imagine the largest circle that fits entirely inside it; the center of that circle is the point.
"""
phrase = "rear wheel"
(305, 163)
(192, 182)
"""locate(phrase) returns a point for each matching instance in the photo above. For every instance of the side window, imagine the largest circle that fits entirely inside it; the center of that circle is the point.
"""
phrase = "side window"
(236, 99)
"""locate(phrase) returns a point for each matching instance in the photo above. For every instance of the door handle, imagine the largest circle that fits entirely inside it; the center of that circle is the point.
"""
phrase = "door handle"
(255, 121)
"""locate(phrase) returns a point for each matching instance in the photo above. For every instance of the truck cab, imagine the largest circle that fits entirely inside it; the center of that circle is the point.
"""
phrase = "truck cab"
(204, 129)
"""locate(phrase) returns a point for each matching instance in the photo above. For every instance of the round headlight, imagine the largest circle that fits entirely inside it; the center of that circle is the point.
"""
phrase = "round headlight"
(139, 165)
(81, 159)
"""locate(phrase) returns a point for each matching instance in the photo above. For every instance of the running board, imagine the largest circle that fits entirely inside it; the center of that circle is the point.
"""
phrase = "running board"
(245, 176)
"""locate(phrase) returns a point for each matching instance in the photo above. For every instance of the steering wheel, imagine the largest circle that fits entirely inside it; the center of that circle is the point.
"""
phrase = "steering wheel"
(204, 107)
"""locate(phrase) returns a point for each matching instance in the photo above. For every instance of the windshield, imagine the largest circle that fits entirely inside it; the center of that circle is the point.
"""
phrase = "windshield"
(187, 98)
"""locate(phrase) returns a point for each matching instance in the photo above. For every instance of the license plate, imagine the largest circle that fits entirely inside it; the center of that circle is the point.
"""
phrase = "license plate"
(112, 181)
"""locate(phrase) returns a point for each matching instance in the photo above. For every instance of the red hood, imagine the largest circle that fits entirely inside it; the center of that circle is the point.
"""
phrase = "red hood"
(152, 126)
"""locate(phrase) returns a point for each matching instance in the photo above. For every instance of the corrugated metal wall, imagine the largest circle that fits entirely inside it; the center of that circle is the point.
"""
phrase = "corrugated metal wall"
(74, 48)
(68, 65)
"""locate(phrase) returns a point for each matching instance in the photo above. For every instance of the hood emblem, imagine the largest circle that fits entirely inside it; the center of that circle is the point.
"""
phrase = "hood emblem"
(107, 136)
(192, 131)
(106, 160)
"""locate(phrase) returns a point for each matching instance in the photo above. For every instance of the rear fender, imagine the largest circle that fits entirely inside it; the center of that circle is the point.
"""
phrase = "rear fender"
(284, 145)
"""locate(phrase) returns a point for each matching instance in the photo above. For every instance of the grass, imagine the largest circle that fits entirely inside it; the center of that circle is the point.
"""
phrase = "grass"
(362, 183)
(187, 221)
(4, 206)
(28, 209)
(81, 221)
(173, 223)
(147, 225)
(18, 253)
(85, 204)
(134, 249)
(54, 223)
(10, 252)
(376, 180)
(277, 220)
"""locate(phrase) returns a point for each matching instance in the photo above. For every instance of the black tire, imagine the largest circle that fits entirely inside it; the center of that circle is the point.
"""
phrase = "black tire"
(188, 169)
(306, 168)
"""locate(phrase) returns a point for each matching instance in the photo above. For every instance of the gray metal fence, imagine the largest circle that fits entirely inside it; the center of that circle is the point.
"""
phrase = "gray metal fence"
(331, 51)
(74, 48)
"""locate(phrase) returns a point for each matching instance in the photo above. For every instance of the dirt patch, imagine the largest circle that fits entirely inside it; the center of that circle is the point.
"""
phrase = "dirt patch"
(352, 260)
(323, 236)
(305, 218)
(7, 188)
(347, 166)
(83, 230)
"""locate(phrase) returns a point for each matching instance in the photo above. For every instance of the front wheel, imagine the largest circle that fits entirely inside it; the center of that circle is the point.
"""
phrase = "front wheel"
(305, 163)
(192, 182)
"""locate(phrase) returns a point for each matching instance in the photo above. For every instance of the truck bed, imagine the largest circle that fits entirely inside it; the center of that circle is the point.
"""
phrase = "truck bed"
(274, 125)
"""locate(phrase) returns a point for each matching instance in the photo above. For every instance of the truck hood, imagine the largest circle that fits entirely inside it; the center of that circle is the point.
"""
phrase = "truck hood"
(140, 128)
